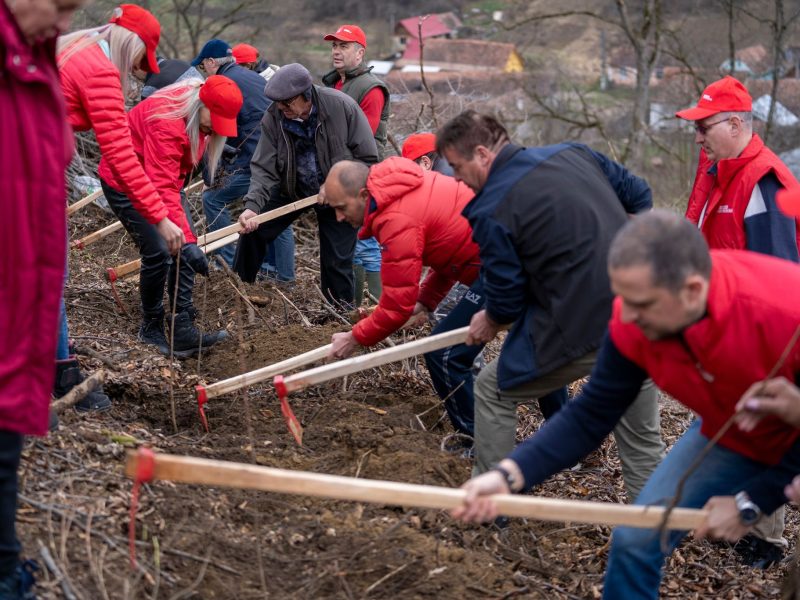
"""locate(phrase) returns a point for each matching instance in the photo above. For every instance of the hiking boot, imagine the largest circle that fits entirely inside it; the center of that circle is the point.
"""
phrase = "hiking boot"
(187, 340)
(757, 553)
(19, 585)
(68, 375)
(152, 332)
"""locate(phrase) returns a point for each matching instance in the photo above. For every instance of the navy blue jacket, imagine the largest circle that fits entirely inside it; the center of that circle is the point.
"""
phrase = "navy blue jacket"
(544, 221)
(248, 122)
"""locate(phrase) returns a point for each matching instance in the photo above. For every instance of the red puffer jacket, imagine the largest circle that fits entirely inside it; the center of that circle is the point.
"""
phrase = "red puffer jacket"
(416, 217)
(35, 148)
(162, 150)
(93, 92)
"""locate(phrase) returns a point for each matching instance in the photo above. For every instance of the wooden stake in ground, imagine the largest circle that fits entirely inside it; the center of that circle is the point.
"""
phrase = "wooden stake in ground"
(184, 469)
(79, 392)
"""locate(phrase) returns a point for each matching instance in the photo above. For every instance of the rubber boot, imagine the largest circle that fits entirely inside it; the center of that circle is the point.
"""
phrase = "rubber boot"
(68, 375)
(359, 276)
(187, 340)
(374, 284)
(152, 332)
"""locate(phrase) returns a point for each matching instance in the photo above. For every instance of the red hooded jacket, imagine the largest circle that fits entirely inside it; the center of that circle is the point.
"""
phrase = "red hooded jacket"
(35, 148)
(728, 193)
(751, 315)
(416, 217)
(162, 150)
(93, 92)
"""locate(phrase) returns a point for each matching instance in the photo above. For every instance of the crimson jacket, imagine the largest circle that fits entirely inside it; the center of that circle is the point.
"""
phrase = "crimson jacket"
(162, 150)
(735, 200)
(35, 148)
(416, 217)
(752, 313)
(95, 100)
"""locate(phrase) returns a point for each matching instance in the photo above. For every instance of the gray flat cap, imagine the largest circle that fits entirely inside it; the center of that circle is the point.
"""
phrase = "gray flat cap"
(290, 81)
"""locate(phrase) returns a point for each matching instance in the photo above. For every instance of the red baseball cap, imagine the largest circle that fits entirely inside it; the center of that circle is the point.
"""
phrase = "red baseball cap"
(726, 95)
(141, 22)
(348, 33)
(789, 201)
(419, 144)
(245, 53)
(224, 99)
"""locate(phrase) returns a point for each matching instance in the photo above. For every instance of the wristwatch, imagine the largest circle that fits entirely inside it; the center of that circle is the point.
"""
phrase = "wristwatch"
(510, 480)
(749, 513)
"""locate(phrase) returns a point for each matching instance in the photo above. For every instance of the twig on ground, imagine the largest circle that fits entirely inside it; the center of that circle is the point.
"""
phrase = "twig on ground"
(50, 563)
(79, 392)
(306, 322)
(86, 351)
(327, 306)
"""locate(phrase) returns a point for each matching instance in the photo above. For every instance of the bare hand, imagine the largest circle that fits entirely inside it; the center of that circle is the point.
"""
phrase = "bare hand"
(482, 329)
(321, 199)
(248, 226)
(792, 490)
(172, 234)
(342, 345)
(723, 520)
(478, 505)
(419, 316)
(778, 397)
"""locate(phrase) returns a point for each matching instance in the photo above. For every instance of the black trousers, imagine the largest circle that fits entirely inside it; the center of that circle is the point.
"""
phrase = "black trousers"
(158, 267)
(337, 244)
(10, 452)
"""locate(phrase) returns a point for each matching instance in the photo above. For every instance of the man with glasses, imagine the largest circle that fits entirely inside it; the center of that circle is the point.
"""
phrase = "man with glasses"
(305, 131)
(733, 203)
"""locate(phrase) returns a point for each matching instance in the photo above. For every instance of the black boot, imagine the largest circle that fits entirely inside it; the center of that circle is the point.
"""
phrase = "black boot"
(19, 585)
(68, 375)
(152, 332)
(187, 340)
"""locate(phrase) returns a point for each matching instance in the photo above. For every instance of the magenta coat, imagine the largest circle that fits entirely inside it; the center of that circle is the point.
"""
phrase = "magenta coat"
(35, 148)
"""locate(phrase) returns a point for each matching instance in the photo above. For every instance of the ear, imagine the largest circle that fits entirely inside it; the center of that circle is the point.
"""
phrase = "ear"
(694, 289)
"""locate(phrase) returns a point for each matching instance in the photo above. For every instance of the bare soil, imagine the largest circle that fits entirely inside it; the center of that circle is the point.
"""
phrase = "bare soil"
(199, 542)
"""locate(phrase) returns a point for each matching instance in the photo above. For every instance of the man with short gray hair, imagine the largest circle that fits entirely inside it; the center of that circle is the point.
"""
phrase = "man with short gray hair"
(705, 326)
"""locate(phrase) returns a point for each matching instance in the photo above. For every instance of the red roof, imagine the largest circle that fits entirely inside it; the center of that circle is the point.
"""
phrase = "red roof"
(434, 25)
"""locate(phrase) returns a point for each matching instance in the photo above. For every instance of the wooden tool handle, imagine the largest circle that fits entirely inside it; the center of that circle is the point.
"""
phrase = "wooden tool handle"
(97, 235)
(262, 218)
(234, 383)
(374, 359)
(238, 475)
(76, 206)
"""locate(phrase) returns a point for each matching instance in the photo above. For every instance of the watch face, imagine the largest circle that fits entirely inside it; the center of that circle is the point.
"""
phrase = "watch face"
(748, 516)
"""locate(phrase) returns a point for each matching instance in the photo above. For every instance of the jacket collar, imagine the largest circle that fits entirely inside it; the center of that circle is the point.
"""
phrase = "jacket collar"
(727, 168)
(331, 77)
(705, 333)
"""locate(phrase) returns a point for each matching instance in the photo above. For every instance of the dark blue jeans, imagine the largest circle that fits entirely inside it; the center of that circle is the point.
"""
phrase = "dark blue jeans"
(280, 256)
(10, 452)
(451, 368)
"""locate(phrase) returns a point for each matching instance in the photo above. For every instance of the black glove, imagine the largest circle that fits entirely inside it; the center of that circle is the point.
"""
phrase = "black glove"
(194, 257)
(229, 153)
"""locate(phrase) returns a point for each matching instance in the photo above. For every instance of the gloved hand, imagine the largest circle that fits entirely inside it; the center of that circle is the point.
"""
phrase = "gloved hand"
(229, 153)
(195, 258)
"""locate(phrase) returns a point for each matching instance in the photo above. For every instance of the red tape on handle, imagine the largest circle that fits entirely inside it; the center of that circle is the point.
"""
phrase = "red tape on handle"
(145, 468)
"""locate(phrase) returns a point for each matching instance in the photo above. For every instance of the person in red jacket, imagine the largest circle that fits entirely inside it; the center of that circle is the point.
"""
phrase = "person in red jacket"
(705, 325)
(733, 203)
(35, 149)
(96, 66)
(170, 132)
(415, 215)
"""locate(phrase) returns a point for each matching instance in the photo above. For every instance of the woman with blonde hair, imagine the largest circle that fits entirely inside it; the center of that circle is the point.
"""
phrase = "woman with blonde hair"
(96, 68)
(170, 132)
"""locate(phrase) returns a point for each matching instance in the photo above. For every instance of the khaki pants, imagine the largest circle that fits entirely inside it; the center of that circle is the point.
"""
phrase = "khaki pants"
(638, 434)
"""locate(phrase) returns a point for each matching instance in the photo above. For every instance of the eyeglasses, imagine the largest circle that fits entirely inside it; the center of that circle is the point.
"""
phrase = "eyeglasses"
(287, 103)
(704, 129)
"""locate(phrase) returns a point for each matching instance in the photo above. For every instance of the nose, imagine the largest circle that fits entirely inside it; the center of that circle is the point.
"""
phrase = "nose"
(339, 216)
(698, 137)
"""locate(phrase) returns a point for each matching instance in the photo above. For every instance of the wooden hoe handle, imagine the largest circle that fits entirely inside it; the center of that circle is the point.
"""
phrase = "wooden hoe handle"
(184, 469)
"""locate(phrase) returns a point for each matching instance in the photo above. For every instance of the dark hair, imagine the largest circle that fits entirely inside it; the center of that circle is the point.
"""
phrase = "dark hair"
(469, 130)
(669, 244)
(353, 177)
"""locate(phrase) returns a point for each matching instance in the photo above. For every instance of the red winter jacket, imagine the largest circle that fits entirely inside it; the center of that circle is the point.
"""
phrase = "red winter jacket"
(416, 217)
(93, 92)
(35, 148)
(752, 313)
(723, 223)
(162, 150)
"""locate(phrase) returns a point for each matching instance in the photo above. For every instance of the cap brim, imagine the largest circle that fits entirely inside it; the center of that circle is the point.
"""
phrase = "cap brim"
(789, 202)
(152, 61)
(333, 37)
(223, 125)
(696, 113)
(197, 60)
